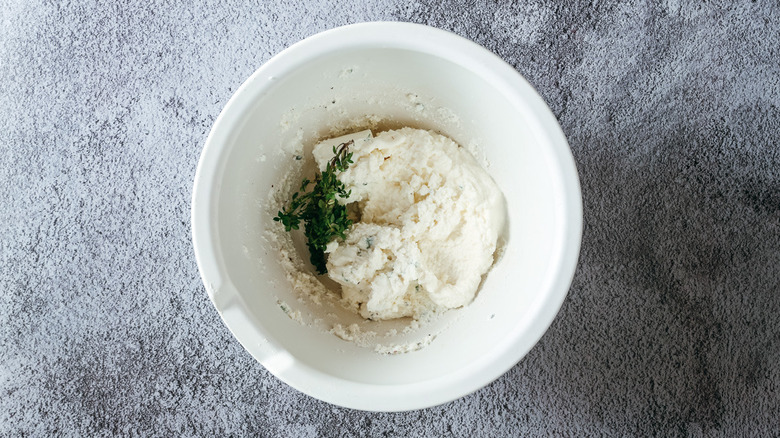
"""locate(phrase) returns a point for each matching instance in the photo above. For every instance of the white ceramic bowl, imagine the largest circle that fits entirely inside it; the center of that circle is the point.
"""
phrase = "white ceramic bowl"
(405, 74)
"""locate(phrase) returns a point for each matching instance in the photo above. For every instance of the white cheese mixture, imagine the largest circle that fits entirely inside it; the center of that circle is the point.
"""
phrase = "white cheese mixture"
(429, 220)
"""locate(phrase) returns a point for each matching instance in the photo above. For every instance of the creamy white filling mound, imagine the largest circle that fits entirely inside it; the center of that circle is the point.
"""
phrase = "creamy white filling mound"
(429, 220)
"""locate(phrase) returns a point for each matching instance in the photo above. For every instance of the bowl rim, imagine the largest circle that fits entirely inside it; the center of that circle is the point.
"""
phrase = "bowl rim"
(379, 397)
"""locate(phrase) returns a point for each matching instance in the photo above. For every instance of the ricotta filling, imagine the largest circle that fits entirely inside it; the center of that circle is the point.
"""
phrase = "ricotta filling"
(427, 221)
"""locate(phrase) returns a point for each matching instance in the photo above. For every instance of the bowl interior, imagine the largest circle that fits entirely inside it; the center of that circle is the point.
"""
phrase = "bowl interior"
(295, 104)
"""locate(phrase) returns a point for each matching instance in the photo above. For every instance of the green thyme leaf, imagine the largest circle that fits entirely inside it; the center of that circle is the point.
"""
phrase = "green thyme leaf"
(323, 217)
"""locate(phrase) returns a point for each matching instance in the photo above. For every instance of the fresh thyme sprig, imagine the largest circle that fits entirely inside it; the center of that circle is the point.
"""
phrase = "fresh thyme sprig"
(323, 216)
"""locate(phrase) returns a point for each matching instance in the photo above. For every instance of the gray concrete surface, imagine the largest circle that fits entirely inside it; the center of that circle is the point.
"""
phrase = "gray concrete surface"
(672, 324)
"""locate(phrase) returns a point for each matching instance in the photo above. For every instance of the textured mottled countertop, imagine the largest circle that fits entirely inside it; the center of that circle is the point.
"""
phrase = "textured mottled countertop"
(672, 324)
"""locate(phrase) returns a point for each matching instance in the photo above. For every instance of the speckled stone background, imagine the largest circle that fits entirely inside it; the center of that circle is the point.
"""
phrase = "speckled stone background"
(672, 324)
